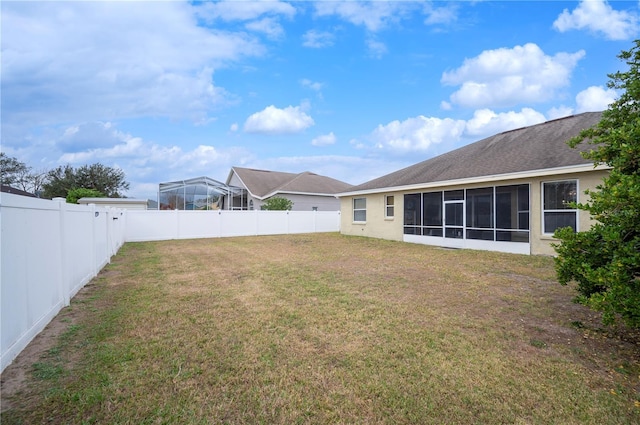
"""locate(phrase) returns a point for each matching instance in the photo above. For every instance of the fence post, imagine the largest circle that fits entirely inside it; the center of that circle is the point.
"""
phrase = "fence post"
(257, 221)
(62, 285)
(94, 266)
(176, 214)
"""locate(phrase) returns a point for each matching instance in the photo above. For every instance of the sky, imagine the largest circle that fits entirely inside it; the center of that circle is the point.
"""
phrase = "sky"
(353, 90)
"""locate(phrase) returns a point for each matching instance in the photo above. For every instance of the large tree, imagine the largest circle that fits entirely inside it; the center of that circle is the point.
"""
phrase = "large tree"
(11, 170)
(15, 173)
(107, 180)
(605, 260)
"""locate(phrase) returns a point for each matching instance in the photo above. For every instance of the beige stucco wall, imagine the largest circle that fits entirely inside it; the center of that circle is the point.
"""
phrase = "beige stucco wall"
(378, 226)
(541, 243)
(305, 202)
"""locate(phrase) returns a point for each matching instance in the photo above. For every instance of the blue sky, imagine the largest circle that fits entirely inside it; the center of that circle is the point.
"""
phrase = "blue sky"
(353, 90)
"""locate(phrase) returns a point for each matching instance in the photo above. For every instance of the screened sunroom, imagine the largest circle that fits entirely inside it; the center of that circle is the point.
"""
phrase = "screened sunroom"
(201, 193)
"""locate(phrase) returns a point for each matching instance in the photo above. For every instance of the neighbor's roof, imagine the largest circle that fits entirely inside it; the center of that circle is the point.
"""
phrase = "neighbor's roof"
(262, 183)
(537, 147)
(9, 189)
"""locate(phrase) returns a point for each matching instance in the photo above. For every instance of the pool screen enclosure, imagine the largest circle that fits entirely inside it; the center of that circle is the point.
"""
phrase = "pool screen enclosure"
(202, 193)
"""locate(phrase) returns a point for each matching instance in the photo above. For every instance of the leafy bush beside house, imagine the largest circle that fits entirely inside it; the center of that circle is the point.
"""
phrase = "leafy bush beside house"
(277, 203)
(605, 260)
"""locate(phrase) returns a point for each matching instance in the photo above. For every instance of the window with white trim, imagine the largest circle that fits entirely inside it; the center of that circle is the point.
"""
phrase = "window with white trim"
(388, 206)
(360, 209)
(557, 205)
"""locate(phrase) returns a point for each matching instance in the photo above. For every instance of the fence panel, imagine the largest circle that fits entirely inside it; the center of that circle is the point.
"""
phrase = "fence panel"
(48, 251)
(178, 224)
(143, 226)
(272, 222)
(79, 247)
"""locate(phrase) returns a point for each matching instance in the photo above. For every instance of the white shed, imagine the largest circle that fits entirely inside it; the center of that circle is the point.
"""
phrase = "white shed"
(123, 203)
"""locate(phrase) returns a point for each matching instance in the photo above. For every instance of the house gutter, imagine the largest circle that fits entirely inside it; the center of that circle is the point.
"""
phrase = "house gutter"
(481, 179)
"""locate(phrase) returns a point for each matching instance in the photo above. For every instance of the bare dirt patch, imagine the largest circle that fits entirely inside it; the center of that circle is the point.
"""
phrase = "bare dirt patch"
(17, 377)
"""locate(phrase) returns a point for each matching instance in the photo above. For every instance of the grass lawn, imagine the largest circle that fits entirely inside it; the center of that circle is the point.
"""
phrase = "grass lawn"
(326, 329)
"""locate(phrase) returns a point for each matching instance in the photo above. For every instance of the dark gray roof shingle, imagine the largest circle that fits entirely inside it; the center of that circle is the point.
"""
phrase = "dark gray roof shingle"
(262, 182)
(537, 147)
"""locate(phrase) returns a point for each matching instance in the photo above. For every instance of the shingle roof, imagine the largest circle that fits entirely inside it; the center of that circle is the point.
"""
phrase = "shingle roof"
(9, 189)
(537, 147)
(262, 183)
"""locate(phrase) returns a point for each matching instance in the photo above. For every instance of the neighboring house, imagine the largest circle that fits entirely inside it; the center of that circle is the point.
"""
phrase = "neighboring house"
(123, 203)
(8, 189)
(508, 192)
(307, 191)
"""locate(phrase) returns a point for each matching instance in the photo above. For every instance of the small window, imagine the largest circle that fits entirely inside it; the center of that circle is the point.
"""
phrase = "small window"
(389, 204)
(360, 209)
(558, 210)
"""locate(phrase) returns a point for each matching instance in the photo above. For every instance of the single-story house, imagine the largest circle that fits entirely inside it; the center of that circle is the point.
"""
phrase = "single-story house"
(308, 191)
(508, 192)
(123, 203)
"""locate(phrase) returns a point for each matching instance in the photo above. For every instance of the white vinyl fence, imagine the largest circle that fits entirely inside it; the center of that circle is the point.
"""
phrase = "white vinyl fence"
(164, 225)
(50, 249)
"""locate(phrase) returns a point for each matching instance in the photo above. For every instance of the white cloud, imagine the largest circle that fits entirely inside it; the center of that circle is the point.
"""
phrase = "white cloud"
(376, 48)
(272, 120)
(86, 61)
(440, 15)
(145, 163)
(317, 39)
(595, 98)
(324, 140)
(416, 134)
(559, 112)
(268, 26)
(486, 122)
(374, 15)
(598, 16)
(422, 134)
(313, 85)
(244, 10)
(506, 77)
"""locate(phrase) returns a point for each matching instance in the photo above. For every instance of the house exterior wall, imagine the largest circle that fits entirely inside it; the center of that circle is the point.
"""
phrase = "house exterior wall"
(308, 202)
(541, 243)
(379, 226)
(304, 202)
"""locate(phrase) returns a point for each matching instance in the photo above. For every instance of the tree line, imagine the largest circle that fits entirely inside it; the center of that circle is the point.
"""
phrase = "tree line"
(95, 180)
